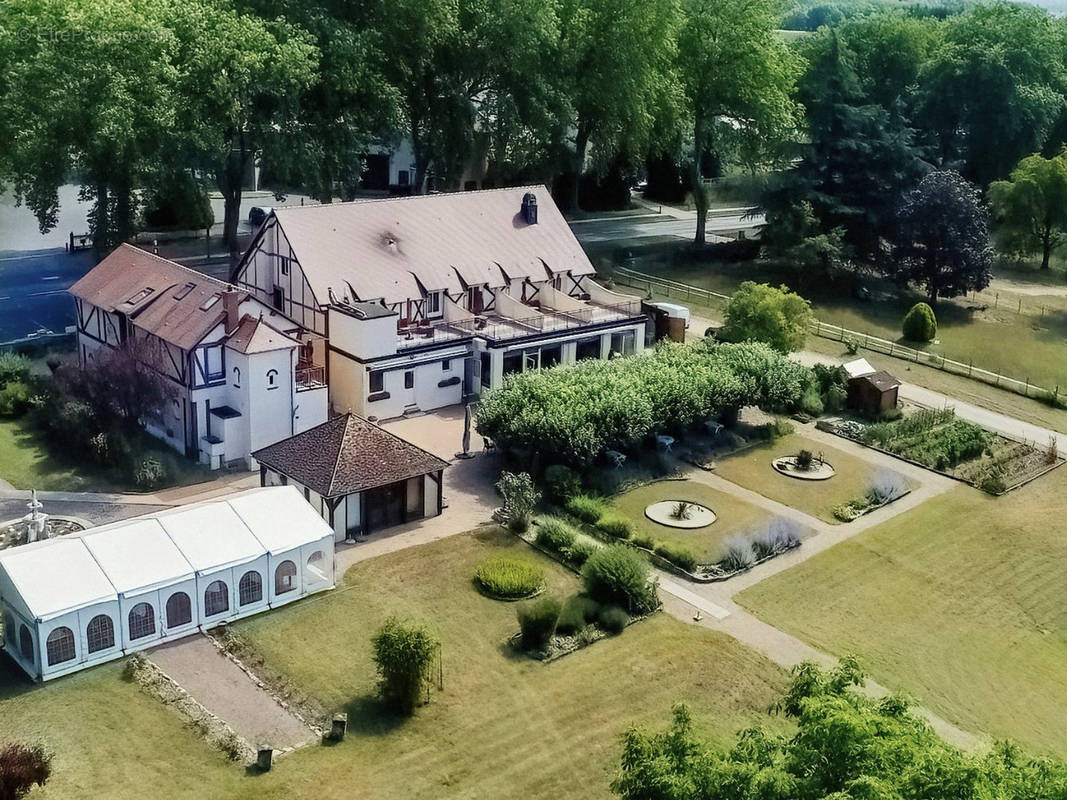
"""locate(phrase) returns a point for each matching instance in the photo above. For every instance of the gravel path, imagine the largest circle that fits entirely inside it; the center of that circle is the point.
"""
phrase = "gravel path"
(228, 692)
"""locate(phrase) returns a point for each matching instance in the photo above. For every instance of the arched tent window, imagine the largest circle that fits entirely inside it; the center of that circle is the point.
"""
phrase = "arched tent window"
(250, 588)
(179, 610)
(285, 577)
(216, 598)
(142, 621)
(100, 633)
(317, 565)
(26, 643)
(60, 645)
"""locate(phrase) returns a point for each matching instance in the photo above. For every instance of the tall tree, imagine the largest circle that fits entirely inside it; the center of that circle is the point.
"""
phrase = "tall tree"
(88, 90)
(994, 89)
(738, 78)
(241, 82)
(858, 157)
(1031, 206)
(347, 106)
(942, 240)
(615, 67)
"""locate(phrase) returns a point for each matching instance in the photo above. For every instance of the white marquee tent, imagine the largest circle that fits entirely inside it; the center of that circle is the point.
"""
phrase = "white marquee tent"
(75, 601)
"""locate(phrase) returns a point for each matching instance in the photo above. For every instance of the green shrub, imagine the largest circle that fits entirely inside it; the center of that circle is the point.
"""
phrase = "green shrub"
(645, 541)
(572, 414)
(613, 619)
(537, 622)
(811, 403)
(833, 400)
(15, 397)
(579, 552)
(677, 554)
(520, 497)
(618, 574)
(509, 578)
(616, 527)
(920, 324)
(404, 652)
(149, 474)
(554, 534)
(577, 612)
(562, 482)
(587, 508)
(762, 313)
(14, 368)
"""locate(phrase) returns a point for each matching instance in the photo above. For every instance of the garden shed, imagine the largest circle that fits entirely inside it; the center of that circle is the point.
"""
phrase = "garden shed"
(870, 391)
(93, 596)
(360, 477)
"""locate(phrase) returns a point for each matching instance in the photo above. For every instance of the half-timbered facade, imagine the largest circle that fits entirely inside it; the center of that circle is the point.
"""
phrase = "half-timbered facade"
(241, 376)
(426, 301)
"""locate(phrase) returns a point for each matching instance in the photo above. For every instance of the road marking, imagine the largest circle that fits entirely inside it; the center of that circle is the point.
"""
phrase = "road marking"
(50, 278)
(693, 598)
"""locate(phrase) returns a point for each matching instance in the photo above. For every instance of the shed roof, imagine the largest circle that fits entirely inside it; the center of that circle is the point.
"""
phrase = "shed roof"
(857, 368)
(881, 380)
(347, 454)
(391, 249)
(175, 303)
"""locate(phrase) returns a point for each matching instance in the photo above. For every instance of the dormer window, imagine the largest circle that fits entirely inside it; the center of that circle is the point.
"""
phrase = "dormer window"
(141, 295)
(183, 292)
(433, 303)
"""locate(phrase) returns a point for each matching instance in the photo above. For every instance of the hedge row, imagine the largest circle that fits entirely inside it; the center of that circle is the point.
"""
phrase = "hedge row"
(572, 414)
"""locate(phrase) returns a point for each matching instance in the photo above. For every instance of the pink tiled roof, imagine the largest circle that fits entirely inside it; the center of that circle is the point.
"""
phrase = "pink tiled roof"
(383, 249)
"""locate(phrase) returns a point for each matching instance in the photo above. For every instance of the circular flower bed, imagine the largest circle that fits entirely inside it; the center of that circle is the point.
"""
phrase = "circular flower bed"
(509, 579)
(815, 470)
(680, 514)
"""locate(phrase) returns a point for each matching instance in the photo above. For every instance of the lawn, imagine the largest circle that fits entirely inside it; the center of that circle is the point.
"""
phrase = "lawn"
(26, 462)
(986, 330)
(505, 726)
(960, 602)
(752, 469)
(109, 739)
(734, 517)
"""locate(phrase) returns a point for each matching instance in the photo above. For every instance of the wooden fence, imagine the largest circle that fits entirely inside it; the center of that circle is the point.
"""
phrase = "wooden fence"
(654, 284)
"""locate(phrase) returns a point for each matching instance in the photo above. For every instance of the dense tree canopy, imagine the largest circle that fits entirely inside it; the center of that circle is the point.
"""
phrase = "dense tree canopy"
(942, 238)
(1032, 205)
(761, 313)
(847, 746)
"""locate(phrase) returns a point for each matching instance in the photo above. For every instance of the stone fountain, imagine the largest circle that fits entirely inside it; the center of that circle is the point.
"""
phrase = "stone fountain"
(37, 525)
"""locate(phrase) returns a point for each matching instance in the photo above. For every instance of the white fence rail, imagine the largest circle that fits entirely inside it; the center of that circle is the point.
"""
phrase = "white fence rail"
(826, 330)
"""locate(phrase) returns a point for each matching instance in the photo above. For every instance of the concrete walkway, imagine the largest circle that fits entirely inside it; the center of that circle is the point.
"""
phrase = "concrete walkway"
(228, 692)
(713, 605)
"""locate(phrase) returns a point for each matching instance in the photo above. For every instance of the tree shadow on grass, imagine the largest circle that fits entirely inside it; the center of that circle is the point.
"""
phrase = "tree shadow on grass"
(369, 715)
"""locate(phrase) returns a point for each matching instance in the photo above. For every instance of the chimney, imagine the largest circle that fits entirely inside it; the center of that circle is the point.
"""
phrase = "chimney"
(529, 208)
(230, 306)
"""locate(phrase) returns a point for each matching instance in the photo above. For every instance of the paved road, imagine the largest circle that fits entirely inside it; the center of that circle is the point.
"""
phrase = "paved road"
(671, 223)
(33, 291)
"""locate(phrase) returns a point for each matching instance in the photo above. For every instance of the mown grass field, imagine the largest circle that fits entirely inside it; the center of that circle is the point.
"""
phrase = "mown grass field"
(734, 517)
(987, 330)
(752, 469)
(961, 603)
(505, 726)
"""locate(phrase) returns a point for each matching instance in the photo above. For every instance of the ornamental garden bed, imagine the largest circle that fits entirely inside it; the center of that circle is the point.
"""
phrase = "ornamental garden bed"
(937, 440)
(741, 537)
(753, 469)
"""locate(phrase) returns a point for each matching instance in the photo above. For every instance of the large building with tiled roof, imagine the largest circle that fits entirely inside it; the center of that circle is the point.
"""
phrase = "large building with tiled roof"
(360, 477)
(426, 301)
(240, 375)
